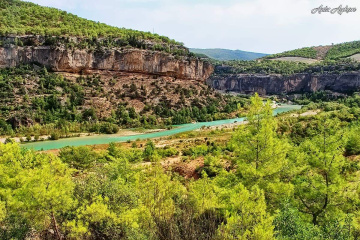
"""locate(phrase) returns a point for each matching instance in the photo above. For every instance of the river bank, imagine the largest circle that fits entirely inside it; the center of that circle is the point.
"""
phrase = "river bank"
(122, 132)
(104, 139)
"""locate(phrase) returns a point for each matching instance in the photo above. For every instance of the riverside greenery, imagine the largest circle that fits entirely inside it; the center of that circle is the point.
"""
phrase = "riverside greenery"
(269, 181)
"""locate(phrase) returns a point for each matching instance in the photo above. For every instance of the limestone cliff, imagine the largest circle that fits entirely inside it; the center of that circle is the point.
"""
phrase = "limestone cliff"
(279, 84)
(131, 60)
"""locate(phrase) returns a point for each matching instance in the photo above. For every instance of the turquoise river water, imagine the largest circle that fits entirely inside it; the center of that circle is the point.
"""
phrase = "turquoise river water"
(103, 139)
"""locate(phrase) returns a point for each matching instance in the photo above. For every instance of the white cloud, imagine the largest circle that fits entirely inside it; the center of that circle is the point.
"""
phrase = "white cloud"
(253, 25)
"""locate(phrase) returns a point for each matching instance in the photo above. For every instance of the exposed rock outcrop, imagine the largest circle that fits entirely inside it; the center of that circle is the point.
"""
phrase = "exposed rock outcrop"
(278, 84)
(116, 59)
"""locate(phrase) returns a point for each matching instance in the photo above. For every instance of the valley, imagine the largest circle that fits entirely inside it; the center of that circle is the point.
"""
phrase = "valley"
(114, 133)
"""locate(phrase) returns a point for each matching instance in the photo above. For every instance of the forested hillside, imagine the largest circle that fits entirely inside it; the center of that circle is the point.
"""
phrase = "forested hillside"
(42, 99)
(331, 52)
(25, 18)
(37, 102)
(19, 17)
(307, 52)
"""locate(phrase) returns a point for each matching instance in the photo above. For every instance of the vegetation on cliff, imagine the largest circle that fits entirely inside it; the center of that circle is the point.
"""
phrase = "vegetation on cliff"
(25, 18)
(274, 178)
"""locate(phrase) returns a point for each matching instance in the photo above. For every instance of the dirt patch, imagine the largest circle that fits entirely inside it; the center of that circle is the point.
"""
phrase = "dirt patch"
(308, 113)
(297, 59)
(355, 57)
(321, 51)
(188, 169)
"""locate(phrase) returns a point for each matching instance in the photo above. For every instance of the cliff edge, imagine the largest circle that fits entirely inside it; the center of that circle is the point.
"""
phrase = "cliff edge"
(280, 84)
(132, 60)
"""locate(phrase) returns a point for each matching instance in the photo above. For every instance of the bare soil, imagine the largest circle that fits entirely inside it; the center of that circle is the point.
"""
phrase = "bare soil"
(296, 59)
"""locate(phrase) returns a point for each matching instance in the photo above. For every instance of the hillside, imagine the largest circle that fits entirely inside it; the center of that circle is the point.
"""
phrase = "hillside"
(330, 52)
(227, 54)
(36, 101)
(335, 59)
(25, 18)
(61, 74)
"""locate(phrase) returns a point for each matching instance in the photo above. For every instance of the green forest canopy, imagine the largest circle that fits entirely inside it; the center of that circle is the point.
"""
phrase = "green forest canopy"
(20, 18)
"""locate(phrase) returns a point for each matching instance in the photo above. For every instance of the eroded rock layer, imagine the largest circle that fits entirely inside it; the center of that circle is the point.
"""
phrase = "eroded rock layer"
(115, 59)
(278, 84)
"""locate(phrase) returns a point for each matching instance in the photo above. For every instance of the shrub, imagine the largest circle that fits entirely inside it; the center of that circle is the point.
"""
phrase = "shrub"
(54, 136)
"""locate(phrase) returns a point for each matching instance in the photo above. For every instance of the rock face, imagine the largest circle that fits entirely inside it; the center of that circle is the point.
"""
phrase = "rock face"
(278, 84)
(131, 60)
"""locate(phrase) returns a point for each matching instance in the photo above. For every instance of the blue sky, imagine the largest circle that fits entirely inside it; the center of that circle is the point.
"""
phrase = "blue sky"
(267, 26)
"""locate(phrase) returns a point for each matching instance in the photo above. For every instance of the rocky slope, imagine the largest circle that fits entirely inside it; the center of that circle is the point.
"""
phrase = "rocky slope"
(132, 60)
(98, 79)
(279, 84)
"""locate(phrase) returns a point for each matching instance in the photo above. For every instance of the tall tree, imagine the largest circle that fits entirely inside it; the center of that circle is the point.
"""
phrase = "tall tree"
(260, 153)
(321, 185)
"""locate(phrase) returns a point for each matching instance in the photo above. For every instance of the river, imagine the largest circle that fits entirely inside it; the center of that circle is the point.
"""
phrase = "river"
(104, 139)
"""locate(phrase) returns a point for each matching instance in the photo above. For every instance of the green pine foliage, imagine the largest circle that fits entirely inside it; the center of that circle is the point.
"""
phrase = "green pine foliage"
(25, 18)
(343, 50)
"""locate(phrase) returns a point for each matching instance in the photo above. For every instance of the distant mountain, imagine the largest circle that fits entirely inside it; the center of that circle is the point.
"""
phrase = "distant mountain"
(227, 54)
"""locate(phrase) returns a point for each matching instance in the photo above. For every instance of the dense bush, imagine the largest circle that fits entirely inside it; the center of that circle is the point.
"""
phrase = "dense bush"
(81, 158)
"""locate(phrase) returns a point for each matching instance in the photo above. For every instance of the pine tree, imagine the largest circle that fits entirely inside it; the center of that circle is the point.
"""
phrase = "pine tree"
(36, 188)
(260, 153)
(320, 187)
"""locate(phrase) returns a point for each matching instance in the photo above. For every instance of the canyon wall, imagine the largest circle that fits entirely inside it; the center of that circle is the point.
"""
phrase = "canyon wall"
(132, 60)
(278, 84)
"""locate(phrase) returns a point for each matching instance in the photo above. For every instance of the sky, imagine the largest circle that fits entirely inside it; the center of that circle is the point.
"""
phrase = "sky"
(266, 26)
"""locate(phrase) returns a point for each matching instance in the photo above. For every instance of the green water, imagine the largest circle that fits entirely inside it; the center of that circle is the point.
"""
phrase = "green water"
(103, 139)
